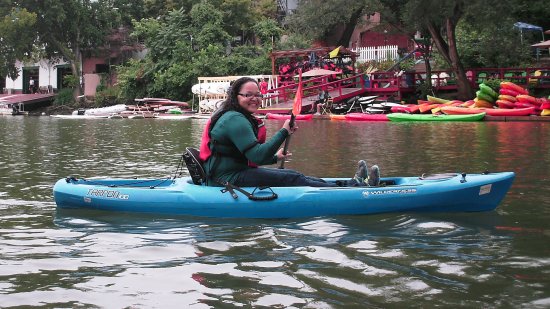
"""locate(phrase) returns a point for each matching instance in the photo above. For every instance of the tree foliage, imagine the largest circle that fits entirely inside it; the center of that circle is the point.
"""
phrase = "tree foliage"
(318, 19)
(65, 28)
(190, 38)
(491, 46)
(184, 46)
(16, 38)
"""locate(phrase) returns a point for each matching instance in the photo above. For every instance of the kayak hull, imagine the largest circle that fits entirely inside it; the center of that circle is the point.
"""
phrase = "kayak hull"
(453, 110)
(366, 117)
(432, 117)
(452, 193)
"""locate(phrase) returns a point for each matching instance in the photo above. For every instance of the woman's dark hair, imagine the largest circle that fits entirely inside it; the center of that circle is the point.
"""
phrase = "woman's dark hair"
(232, 103)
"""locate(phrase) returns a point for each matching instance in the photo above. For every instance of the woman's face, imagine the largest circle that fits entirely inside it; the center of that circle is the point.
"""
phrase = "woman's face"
(249, 97)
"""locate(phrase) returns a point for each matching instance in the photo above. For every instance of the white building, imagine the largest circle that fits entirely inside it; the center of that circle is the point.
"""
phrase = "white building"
(47, 76)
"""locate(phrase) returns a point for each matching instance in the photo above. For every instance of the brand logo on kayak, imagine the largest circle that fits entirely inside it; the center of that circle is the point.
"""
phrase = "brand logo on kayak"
(485, 189)
(108, 194)
(394, 191)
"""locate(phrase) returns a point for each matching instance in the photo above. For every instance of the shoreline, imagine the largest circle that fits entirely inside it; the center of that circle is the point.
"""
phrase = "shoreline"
(65, 110)
(531, 118)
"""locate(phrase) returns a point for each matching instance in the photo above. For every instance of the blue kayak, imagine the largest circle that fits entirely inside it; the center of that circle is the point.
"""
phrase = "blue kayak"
(179, 196)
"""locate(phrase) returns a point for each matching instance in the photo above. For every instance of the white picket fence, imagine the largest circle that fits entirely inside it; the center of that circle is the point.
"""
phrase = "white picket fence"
(376, 53)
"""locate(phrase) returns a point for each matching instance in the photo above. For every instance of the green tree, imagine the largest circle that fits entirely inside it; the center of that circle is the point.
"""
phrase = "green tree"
(161, 8)
(494, 45)
(65, 28)
(536, 12)
(441, 18)
(128, 10)
(318, 19)
(479, 22)
(16, 37)
(268, 31)
(184, 45)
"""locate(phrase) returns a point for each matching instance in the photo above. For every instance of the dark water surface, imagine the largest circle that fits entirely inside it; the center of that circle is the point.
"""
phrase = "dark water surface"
(48, 259)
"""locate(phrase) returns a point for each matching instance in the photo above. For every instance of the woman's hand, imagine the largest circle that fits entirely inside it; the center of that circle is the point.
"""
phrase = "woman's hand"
(281, 156)
(290, 130)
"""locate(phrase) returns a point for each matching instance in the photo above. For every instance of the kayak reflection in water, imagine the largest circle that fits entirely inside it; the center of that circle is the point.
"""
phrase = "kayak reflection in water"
(234, 145)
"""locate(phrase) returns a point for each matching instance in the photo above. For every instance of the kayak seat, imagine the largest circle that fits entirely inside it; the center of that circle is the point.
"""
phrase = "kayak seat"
(194, 165)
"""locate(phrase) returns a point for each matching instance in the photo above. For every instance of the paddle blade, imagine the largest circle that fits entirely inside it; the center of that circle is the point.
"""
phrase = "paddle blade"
(297, 107)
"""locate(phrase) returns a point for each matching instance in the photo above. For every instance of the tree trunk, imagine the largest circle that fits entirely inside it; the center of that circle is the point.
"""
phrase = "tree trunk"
(465, 91)
(450, 54)
(349, 27)
(75, 69)
(73, 56)
(428, 71)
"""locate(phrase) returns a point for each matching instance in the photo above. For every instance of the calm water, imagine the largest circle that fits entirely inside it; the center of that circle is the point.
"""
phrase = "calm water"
(498, 259)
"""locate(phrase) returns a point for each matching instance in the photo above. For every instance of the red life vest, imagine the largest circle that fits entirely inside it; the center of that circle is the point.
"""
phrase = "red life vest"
(206, 152)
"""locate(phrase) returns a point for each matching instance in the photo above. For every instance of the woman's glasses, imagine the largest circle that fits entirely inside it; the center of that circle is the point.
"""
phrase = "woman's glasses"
(250, 95)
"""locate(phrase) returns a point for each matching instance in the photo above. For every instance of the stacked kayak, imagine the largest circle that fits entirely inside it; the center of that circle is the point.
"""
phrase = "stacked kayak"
(179, 196)
(401, 117)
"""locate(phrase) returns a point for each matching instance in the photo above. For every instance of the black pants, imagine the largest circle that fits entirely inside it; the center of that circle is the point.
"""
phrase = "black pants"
(273, 177)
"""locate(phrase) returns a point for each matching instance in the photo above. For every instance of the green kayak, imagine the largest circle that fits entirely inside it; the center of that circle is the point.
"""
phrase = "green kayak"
(432, 117)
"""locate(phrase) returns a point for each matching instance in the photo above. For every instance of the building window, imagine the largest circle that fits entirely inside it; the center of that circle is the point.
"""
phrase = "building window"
(101, 68)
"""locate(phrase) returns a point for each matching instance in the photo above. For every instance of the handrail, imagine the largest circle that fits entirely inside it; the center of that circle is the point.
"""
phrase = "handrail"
(390, 81)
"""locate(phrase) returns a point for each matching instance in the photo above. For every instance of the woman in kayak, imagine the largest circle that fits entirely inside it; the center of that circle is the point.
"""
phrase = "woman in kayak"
(234, 144)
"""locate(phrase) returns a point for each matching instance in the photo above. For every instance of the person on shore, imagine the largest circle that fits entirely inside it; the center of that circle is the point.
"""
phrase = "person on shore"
(263, 87)
(234, 144)
(31, 85)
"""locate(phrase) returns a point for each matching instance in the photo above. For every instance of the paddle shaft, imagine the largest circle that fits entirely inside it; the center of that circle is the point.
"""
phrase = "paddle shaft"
(287, 141)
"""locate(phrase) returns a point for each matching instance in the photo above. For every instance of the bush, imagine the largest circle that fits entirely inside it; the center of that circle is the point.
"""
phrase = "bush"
(107, 97)
(64, 97)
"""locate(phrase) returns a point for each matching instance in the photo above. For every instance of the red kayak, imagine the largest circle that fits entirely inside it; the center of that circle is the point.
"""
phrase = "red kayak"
(285, 116)
(454, 110)
(366, 117)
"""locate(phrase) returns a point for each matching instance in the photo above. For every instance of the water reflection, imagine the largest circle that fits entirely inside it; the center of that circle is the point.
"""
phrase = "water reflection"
(96, 259)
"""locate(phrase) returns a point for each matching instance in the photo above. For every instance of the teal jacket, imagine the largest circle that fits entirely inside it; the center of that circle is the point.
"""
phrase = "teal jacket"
(233, 137)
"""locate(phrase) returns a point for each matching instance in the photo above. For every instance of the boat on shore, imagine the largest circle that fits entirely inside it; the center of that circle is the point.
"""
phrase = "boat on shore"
(452, 192)
(101, 111)
(12, 109)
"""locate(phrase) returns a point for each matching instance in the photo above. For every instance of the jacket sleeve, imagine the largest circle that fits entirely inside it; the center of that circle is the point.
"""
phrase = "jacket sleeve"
(241, 134)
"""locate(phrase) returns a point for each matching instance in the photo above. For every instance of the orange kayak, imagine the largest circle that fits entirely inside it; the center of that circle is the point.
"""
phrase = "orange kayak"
(337, 117)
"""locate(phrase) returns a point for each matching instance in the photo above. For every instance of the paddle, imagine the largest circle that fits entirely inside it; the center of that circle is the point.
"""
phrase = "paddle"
(296, 109)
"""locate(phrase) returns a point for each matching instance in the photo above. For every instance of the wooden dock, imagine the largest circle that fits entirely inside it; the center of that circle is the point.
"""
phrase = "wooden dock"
(28, 101)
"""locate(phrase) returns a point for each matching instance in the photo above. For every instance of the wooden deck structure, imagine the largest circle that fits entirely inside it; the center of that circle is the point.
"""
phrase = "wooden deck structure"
(386, 85)
(28, 101)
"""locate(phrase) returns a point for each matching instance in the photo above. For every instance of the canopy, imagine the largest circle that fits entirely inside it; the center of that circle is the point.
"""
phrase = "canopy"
(527, 27)
(542, 44)
(318, 72)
